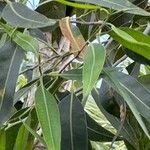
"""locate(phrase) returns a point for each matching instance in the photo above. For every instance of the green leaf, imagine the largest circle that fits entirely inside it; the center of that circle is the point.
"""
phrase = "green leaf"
(48, 115)
(73, 124)
(102, 96)
(93, 63)
(10, 59)
(74, 74)
(19, 15)
(137, 103)
(26, 42)
(11, 135)
(134, 40)
(121, 5)
(22, 137)
(2, 139)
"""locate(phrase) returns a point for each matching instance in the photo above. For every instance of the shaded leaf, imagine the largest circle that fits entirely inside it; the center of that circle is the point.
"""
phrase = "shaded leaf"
(10, 59)
(2, 139)
(11, 135)
(93, 63)
(19, 15)
(73, 124)
(48, 116)
(97, 132)
(127, 131)
(133, 100)
(2, 5)
(52, 10)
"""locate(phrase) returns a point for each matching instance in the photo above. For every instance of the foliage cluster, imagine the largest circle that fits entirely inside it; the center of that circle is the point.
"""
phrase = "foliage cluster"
(51, 68)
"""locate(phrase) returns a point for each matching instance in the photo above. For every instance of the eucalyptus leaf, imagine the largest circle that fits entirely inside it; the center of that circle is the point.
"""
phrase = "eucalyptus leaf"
(121, 5)
(94, 58)
(22, 137)
(19, 15)
(2, 139)
(127, 131)
(10, 59)
(25, 41)
(73, 124)
(132, 99)
(48, 116)
(133, 40)
(73, 74)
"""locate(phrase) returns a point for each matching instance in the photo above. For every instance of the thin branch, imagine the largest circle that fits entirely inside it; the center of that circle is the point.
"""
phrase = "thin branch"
(88, 23)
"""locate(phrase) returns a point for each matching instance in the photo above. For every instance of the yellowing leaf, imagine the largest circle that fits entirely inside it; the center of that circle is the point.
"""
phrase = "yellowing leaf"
(72, 33)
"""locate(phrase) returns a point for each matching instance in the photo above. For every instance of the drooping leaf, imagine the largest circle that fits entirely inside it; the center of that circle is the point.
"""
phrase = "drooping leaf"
(10, 59)
(133, 40)
(73, 34)
(127, 130)
(19, 15)
(93, 63)
(133, 100)
(48, 116)
(73, 124)
(121, 5)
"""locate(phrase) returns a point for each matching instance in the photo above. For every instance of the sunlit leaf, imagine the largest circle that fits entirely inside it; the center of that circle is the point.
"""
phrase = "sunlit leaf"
(48, 115)
(133, 40)
(93, 63)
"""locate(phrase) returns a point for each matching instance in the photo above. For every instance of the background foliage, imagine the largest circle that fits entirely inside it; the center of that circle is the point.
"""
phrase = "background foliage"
(62, 86)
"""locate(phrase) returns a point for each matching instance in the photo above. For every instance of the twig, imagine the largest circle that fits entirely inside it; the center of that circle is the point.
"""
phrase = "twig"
(88, 23)
(120, 60)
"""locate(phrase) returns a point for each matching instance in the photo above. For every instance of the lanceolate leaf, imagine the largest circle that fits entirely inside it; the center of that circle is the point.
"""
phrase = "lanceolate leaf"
(133, 40)
(48, 116)
(19, 15)
(73, 124)
(93, 63)
(136, 104)
(122, 5)
(10, 60)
